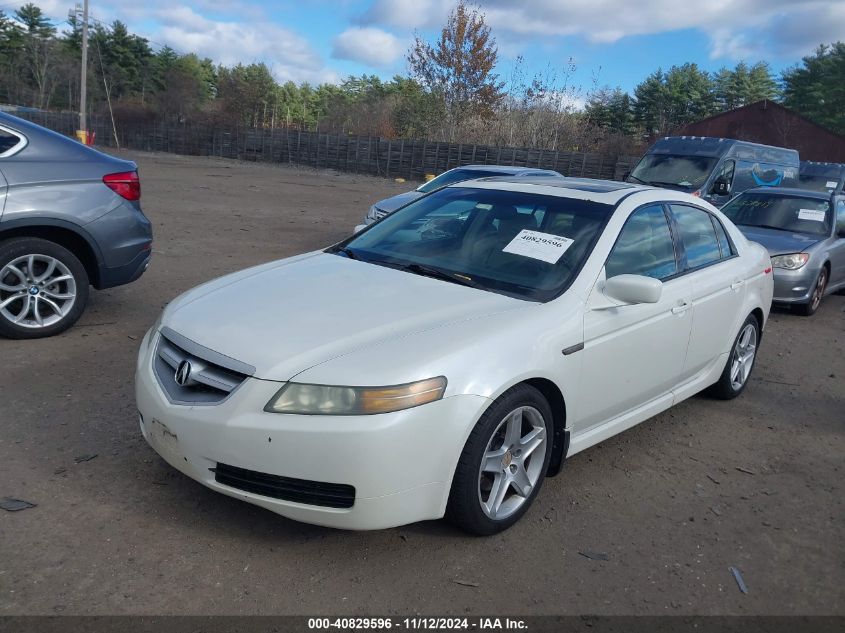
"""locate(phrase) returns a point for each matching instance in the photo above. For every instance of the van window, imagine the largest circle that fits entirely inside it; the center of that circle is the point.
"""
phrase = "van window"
(698, 235)
(726, 171)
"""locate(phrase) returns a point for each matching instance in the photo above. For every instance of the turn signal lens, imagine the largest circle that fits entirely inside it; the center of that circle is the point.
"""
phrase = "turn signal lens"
(329, 400)
(793, 261)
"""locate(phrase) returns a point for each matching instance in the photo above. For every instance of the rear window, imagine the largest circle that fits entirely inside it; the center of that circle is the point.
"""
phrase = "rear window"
(791, 214)
(456, 175)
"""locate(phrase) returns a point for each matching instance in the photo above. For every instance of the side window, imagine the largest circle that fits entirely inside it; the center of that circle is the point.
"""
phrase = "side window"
(7, 141)
(644, 246)
(722, 236)
(840, 214)
(727, 171)
(697, 234)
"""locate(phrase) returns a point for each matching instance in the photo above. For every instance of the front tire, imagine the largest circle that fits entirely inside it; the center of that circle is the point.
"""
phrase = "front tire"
(503, 464)
(43, 288)
(812, 306)
(741, 360)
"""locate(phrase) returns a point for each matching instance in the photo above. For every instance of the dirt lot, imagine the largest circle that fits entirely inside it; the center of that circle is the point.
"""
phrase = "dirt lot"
(756, 483)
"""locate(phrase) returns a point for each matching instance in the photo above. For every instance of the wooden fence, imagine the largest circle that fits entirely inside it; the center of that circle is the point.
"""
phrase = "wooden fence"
(390, 158)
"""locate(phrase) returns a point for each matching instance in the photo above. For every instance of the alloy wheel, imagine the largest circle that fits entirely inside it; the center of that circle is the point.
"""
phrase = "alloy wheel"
(36, 291)
(743, 356)
(818, 291)
(512, 463)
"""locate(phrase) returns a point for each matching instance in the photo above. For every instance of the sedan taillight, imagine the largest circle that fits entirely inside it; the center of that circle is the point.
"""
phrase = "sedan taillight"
(125, 184)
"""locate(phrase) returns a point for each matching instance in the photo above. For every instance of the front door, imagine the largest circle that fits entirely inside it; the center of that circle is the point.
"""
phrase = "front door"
(635, 353)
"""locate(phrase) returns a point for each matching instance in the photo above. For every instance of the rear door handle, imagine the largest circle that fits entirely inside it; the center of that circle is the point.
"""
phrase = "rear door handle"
(737, 285)
(681, 308)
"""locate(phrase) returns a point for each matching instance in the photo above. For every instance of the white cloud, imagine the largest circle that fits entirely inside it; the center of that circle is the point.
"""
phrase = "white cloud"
(736, 28)
(408, 14)
(368, 45)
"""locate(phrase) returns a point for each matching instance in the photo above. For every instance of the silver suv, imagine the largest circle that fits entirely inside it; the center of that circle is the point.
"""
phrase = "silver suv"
(70, 217)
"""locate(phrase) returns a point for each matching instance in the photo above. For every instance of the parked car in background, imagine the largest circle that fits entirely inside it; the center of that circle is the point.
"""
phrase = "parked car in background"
(804, 232)
(829, 177)
(70, 216)
(715, 168)
(467, 172)
(449, 357)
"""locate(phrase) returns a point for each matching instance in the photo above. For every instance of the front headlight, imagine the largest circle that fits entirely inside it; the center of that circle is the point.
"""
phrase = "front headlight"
(329, 400)
(372, 214)
(793, 261)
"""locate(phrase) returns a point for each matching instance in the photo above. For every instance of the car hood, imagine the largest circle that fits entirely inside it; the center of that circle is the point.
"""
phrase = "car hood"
(779, 242)
(391, 204)
(287, 316)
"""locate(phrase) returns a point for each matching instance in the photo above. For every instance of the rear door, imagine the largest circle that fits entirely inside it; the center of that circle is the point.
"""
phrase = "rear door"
(710, 261)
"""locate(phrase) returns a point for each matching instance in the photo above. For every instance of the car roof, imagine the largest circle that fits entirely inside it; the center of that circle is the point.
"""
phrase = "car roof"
(790, 191)
(604, 191)
(508, 170)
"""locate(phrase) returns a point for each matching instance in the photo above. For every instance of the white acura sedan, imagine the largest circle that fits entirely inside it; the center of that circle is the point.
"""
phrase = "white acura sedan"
(449, 357)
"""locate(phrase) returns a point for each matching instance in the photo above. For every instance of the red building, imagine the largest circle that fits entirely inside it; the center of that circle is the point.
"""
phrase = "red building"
(770, 123)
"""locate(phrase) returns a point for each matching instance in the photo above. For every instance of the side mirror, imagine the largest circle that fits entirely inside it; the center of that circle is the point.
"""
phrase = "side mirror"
(634, 289)
(720, 187)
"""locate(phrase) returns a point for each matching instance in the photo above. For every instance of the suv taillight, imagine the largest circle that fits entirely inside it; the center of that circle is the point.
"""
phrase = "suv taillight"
(125, 184)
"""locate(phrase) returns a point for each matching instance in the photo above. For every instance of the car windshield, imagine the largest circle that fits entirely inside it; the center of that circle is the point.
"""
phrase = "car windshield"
(456, 175)
(823, 178)
(784, 213)
(667, 170)
(520, 244)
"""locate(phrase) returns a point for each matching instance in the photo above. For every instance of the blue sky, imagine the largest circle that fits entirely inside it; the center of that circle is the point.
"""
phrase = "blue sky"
(611, 42)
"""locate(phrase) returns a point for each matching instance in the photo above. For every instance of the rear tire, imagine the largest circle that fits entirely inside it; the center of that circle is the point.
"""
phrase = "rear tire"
(812, 306)
(741, 361)
(503, 464)
(43, 288)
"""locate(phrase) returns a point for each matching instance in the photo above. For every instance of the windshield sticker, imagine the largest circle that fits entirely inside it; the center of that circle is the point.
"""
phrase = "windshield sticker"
(543, 246)
(830, 184)
(810, 214)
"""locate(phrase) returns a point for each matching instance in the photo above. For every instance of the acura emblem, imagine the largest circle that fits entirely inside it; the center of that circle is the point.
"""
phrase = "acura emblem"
(183, 373)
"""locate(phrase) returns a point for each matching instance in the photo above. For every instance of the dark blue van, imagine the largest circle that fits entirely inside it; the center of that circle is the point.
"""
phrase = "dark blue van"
(825, 177)
(715, 168)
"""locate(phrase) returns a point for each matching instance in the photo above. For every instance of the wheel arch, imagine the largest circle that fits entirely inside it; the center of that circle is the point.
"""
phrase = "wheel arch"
(560, 438)
(65, 234)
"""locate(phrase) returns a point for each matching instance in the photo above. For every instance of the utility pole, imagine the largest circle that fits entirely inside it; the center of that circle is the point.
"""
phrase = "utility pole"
(83, 84)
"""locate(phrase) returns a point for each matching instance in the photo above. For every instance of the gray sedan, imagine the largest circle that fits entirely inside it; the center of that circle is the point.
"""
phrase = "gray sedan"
(804, 232)
(70, 217)
(458, 174)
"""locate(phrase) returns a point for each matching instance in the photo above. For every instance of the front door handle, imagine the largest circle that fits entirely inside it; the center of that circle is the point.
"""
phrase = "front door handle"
(680, 308)
(737, 285)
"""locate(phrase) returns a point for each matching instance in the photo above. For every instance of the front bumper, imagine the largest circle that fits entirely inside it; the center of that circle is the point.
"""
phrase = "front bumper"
(400, 464)
(794, 286)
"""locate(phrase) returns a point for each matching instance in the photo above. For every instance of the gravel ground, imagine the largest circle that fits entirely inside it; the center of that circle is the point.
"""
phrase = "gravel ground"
(755, 483)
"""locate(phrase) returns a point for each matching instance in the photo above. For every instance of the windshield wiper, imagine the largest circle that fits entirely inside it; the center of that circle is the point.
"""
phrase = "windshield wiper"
(637, 179)
(769, 226)
(347, 251)
(437, 273)
(658, 183)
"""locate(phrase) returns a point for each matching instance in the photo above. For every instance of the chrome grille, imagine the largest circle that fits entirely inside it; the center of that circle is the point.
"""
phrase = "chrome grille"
(212, 378)
(380, 213)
